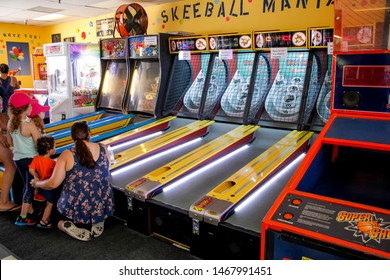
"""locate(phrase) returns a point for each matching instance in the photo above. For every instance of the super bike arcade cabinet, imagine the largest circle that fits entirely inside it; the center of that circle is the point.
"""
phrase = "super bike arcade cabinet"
(337, 205)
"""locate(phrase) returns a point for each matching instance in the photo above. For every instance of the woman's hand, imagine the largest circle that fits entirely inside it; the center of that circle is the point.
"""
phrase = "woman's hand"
(33, 182)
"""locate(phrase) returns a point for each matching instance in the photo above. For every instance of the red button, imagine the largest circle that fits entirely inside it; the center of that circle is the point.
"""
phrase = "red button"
(288, 216)
(296, 201)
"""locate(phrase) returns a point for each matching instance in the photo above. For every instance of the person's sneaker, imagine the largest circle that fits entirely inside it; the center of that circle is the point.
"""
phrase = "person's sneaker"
(97, 229)
(38, 197)
(81, 234)
(25, 221)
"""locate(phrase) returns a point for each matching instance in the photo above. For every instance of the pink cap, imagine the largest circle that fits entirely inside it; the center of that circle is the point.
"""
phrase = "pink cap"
(19, 99)
(37, 108)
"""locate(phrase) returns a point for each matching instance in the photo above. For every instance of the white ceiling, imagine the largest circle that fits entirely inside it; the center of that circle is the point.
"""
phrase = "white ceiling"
(24, 11)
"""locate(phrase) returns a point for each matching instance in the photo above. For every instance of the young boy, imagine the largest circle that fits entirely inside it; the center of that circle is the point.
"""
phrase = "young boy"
(36, 117)
(41, 168)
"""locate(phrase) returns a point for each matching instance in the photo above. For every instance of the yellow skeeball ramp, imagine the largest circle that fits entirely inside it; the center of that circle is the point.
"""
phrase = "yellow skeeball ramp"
(212, 207)
(67, 123)
(143, 188)
(181, 135)
(64, 137)
(158, 125)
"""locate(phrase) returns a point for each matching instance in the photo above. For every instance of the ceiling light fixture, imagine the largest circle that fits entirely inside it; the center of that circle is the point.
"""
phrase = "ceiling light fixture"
(50, 17)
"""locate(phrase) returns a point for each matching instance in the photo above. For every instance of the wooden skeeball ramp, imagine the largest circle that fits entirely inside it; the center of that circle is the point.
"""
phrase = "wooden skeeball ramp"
(170, 139)
(100, 126)
(214, 207)
(124, 135)
(67, 123)
(126, 159)
(145, 129)
(169, 210)
(142, 189)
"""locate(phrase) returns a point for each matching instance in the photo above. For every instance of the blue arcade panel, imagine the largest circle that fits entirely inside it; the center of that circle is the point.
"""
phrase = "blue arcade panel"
(359, 130)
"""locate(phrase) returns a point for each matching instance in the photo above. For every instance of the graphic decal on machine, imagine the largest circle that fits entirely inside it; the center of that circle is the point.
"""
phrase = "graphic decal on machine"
(314, 216)
(365, 225)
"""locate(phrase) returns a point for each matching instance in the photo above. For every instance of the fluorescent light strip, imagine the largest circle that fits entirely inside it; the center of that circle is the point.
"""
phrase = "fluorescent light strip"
(131, 142)
(203, 169)
(270, 182)
(148, 159)
(51, 17)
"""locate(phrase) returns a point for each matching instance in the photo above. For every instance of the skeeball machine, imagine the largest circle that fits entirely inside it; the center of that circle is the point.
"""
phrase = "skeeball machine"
(171, 206)
(337, 204)
(239, 233)
(186, 80)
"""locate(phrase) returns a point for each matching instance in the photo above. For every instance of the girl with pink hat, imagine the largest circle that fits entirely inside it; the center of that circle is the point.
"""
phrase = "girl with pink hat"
(23, 136)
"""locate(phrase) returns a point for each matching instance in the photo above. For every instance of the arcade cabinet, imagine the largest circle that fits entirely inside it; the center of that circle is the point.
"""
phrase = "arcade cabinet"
(73, 72)
(336, 206)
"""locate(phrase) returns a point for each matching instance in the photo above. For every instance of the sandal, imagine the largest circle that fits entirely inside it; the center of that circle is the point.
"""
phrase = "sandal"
(78, 233)
(44, 224)
(97, 229)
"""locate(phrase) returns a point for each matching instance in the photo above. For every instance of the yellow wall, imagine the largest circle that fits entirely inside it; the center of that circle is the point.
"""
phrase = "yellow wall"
(33, 35)
(200, 17)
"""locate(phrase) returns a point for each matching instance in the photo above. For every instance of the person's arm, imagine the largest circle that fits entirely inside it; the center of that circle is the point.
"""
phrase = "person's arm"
(16, 83)
(28, 129)
(3, 140)
(33, 172)
(9, 138)
(107, 153)
(35, 133)
(59, 172)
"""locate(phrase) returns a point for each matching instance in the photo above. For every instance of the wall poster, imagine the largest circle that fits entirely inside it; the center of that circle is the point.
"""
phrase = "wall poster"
(105, 27)
(19, 57)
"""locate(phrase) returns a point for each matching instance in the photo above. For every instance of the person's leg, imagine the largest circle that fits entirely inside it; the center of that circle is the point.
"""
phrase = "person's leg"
(8, 177)
(45, 220)
(28, 193)
(47, 212)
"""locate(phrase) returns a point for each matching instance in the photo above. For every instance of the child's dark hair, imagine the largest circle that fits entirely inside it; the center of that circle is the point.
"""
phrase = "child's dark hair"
(45, 144)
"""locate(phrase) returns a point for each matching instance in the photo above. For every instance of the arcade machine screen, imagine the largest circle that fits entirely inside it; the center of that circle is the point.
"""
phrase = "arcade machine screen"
(85, 63)
(114, 84)
(144, 87)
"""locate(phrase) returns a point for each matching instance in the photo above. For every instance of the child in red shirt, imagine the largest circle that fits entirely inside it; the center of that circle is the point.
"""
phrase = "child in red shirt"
(41, 168)
(36, 117)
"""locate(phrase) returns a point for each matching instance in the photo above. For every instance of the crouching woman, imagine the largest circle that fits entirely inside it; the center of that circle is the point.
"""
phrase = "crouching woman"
(86, 198)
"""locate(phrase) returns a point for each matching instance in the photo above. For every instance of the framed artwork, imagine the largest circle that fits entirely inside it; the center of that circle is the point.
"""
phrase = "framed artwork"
(105, 27)
(19, 57)
(56, 38)
(69, 39)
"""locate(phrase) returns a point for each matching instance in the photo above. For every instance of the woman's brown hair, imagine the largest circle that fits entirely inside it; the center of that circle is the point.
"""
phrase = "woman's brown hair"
(16, 118)
(38, 122)
(80, 132)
